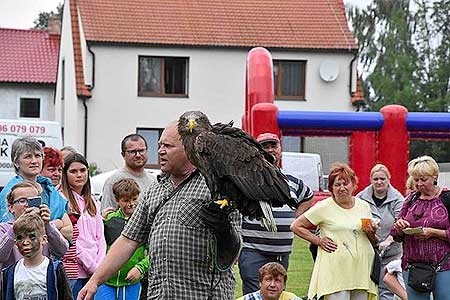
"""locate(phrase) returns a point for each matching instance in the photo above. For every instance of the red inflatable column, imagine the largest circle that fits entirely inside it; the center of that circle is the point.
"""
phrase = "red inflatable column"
(393, 144)
(264, 118)
(362, 155)
(259, 88)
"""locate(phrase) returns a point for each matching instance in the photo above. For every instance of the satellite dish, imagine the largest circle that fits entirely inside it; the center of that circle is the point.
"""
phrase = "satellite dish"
(328, 70)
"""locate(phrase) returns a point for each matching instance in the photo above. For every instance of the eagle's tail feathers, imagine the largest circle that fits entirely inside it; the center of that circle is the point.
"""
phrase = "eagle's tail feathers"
(267, 221)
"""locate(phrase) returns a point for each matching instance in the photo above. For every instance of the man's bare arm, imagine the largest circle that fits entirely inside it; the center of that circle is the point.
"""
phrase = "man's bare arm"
(118, 255)
(304, 206)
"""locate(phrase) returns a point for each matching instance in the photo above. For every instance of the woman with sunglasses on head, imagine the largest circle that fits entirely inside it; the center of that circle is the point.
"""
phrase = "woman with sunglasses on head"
(431, 243)
(27, 158)
(18, 199)
(89, 246)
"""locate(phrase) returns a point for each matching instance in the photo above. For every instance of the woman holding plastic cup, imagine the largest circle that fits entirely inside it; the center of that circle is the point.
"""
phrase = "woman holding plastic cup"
(385, 204)
(424, 228)
(344, 261)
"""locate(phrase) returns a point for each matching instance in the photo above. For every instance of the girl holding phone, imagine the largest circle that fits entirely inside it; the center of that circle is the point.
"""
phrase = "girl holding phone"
(89, 248)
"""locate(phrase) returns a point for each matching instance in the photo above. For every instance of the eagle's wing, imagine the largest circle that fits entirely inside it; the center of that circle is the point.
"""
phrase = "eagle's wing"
(238, 162)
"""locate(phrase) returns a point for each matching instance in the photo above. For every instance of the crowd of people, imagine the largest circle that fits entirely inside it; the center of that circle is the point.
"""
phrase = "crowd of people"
(162, 238)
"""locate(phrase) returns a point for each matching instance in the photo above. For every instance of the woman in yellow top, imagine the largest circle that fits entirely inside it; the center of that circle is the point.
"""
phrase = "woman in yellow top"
(344, 261)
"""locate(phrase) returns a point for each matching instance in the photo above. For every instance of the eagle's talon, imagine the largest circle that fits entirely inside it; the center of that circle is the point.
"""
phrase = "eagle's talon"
(222, 203)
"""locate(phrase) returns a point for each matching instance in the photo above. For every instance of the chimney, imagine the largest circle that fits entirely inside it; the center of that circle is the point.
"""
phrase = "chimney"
(54, 25)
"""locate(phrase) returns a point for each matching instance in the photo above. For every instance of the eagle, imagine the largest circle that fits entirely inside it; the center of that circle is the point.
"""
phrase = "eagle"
(237, 170)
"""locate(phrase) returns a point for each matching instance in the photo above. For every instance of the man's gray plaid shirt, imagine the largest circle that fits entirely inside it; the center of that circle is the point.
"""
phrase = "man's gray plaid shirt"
(180, 244)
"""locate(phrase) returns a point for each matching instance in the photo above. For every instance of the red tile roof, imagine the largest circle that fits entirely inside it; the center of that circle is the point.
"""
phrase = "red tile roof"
(28, 56)
(82, 89)
(296, 24)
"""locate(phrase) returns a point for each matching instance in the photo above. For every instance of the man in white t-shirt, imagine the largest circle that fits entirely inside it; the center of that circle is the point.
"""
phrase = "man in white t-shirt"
(35, 276)
(134, 153)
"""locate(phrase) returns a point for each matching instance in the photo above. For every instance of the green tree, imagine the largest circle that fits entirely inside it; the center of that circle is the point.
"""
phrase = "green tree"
(41, 21)
(405, 54)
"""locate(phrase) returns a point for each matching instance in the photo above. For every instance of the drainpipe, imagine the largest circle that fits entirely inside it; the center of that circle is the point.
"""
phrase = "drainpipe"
(93, 67)
(351, 72)
(85, 125)
(91, 87)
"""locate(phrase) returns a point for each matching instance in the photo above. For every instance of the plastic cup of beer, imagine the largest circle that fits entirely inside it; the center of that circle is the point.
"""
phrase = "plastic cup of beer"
(366, 222)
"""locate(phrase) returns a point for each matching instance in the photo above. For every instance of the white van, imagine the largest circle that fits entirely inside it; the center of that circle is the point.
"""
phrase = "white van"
(306, 166)
(47, 132)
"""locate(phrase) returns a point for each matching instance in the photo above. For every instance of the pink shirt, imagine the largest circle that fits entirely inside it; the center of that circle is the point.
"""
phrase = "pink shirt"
(91, 245)
(426, 213)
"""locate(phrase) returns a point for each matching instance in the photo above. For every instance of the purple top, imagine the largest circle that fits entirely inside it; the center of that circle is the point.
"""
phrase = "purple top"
(426, 213)
(9, 254)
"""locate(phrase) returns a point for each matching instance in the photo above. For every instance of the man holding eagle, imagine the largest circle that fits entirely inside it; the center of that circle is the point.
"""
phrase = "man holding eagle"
(190, 216)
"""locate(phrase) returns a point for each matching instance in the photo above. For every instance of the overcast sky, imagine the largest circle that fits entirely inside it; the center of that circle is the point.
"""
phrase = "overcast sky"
(22, 13)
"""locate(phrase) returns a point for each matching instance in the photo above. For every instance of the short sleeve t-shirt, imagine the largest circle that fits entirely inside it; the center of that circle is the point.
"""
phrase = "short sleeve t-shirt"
(30, 283)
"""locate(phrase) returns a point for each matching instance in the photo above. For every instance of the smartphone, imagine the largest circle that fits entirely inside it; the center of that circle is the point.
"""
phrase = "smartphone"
(34, 202)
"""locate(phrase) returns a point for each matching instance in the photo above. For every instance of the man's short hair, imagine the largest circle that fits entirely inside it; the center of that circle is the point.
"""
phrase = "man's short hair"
(131, 137)
(125, 187)
(29, 222)
(272, 268)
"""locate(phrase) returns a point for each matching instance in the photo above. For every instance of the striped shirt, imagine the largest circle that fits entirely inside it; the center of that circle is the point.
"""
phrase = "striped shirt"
(258, 238)
(70, 258)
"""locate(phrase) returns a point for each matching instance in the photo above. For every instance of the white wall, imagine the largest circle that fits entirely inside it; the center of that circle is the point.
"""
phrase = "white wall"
(69, 112)
(216, 86)
(321, 95)
(10, 95)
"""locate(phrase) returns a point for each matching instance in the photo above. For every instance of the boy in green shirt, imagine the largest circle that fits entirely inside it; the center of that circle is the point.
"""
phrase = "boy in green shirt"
(125, 284)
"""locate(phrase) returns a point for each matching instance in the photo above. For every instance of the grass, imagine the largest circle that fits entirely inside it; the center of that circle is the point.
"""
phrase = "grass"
(299, 273)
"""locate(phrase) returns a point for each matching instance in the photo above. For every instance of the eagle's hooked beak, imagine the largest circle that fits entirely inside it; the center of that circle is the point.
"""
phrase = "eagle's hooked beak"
(192, 124)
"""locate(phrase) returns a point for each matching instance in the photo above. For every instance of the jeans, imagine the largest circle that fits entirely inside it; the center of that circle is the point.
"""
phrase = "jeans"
(249, 263)
(128, 292)
(441, 289)
(77, 285)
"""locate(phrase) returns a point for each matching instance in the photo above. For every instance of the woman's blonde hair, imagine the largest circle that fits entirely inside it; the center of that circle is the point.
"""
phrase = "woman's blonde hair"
(380, 168)
(423, 166)
(410, 184)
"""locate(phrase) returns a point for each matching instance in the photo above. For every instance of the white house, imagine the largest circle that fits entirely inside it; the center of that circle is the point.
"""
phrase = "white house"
(28, 67)
(134, 66)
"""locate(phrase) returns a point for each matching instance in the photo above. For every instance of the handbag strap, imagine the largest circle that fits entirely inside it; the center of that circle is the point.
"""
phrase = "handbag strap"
(442, 262)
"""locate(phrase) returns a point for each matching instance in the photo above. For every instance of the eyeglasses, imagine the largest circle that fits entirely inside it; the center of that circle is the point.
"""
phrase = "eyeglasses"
(21, 201)
(136, 151)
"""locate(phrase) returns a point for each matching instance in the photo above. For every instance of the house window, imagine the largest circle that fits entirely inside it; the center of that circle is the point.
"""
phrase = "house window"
(151, 136)
(163, 76)
(30, 108)
(289, 79)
